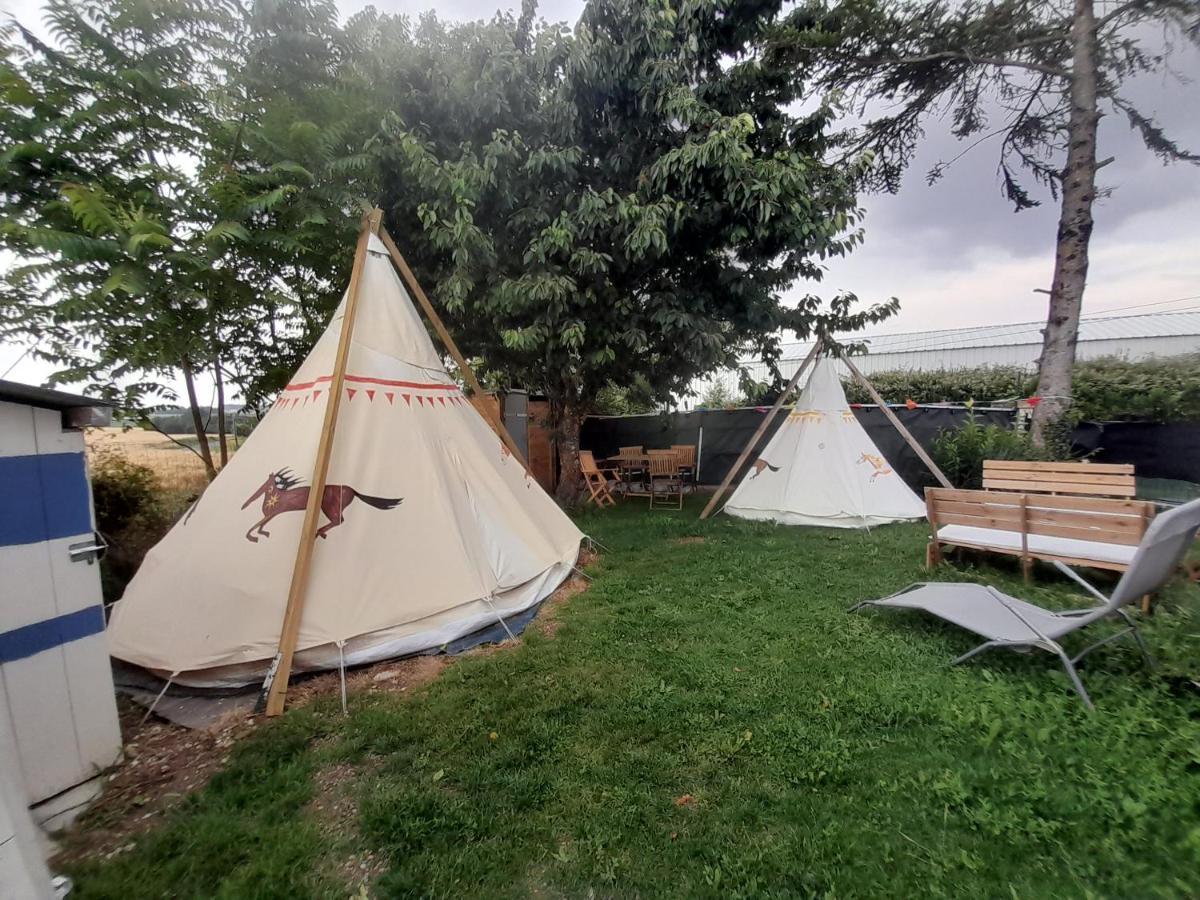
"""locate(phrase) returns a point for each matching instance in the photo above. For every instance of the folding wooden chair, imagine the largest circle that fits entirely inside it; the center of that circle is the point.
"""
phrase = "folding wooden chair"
(665, 482)
(633, 470)
(686, 454)
(596, 480)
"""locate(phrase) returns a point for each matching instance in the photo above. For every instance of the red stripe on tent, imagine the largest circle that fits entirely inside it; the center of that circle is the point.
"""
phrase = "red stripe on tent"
(366, 379)
(391, 397)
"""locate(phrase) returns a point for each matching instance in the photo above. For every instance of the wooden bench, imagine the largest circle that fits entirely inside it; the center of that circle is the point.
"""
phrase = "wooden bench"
(1098, 532)
(1066, 478)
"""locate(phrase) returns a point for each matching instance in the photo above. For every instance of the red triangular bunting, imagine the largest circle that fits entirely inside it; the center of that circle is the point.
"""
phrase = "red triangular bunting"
(420, 400)
(442, 400)
(391, 397)
(370, 395)
(407, 398)
(316, 394)
(350, 392)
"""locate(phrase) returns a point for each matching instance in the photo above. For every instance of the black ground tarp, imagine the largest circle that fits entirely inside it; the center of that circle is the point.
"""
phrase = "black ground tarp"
(725, 433)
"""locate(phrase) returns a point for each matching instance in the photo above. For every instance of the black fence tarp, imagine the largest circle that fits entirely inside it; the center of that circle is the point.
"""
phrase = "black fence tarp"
(1156, 449)
(726, 431)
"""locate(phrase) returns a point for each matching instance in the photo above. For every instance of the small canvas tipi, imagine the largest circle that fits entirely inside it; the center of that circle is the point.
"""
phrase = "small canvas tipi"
(430, 529)
(820, 468)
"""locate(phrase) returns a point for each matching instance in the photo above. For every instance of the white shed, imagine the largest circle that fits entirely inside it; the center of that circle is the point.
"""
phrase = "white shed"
(56, 684)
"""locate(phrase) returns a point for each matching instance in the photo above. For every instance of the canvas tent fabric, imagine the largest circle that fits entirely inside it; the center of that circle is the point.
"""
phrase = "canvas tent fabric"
(430, 529)
(820, 468)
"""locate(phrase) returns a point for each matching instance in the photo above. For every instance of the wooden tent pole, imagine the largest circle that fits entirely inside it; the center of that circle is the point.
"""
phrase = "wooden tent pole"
(464, 367)
(762, 429)
(892, 417)
(276, 683)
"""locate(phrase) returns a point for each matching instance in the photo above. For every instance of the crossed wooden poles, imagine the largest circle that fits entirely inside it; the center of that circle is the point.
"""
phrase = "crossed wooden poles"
(817, 349)
(274, 689)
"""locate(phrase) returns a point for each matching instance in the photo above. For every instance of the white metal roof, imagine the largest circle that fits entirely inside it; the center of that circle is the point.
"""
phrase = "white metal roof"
(1173, 324)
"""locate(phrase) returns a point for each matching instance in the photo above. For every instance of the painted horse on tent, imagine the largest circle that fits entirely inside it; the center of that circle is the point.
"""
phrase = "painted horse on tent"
(282, 492)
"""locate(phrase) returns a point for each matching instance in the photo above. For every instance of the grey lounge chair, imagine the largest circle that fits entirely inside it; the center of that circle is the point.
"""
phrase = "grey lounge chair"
(1009, 622)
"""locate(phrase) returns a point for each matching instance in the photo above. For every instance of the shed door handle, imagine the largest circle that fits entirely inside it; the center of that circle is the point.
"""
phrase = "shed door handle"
(89, 550)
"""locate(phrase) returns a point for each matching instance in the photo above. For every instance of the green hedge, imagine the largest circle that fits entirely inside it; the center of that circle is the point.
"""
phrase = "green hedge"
(960, 452)
(1166, 390)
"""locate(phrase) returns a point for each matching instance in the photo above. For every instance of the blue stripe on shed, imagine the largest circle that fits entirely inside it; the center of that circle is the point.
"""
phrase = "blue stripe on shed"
(44, 497)
(31, 639)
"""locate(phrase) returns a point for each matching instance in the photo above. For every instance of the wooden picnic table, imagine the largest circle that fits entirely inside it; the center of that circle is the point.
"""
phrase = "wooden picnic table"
(629, 460)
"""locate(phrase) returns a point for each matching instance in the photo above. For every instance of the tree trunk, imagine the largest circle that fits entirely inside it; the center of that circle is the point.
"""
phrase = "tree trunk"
(1074, 232)
(221, 439)
(566, 428)
(197, 422)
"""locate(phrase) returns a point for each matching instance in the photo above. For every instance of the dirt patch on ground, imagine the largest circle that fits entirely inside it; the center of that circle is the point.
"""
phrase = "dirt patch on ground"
(334, 808)
(162, 764)
(691, 539)
(548, 621)
(393, 676)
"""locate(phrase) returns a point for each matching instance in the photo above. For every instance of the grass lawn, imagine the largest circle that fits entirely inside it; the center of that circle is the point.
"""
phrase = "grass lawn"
(709, 721)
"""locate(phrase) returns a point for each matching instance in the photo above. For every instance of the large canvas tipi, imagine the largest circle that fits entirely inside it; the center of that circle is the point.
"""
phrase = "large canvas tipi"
(821, 468)
(429, 528)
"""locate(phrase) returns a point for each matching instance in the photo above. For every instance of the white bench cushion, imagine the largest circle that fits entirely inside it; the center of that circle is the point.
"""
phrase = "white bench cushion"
(1038, 543)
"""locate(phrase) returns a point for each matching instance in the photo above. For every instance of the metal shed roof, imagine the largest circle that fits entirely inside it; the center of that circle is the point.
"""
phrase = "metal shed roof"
(1175, 324)
(15, 392)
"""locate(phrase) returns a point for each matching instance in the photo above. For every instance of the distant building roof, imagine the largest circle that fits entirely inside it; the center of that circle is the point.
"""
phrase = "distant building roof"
(1133, 338)
(15, 392)
(1110, 328)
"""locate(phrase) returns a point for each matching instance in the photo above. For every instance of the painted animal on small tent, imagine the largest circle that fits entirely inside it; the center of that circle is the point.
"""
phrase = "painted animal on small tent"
(760, 465)
(878, 463)
(282, 492)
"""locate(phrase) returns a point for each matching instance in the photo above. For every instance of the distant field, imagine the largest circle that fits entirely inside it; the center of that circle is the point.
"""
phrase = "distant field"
(177, 468)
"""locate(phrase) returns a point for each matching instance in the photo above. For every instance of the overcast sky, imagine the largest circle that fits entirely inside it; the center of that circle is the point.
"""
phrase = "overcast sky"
(955, 254)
